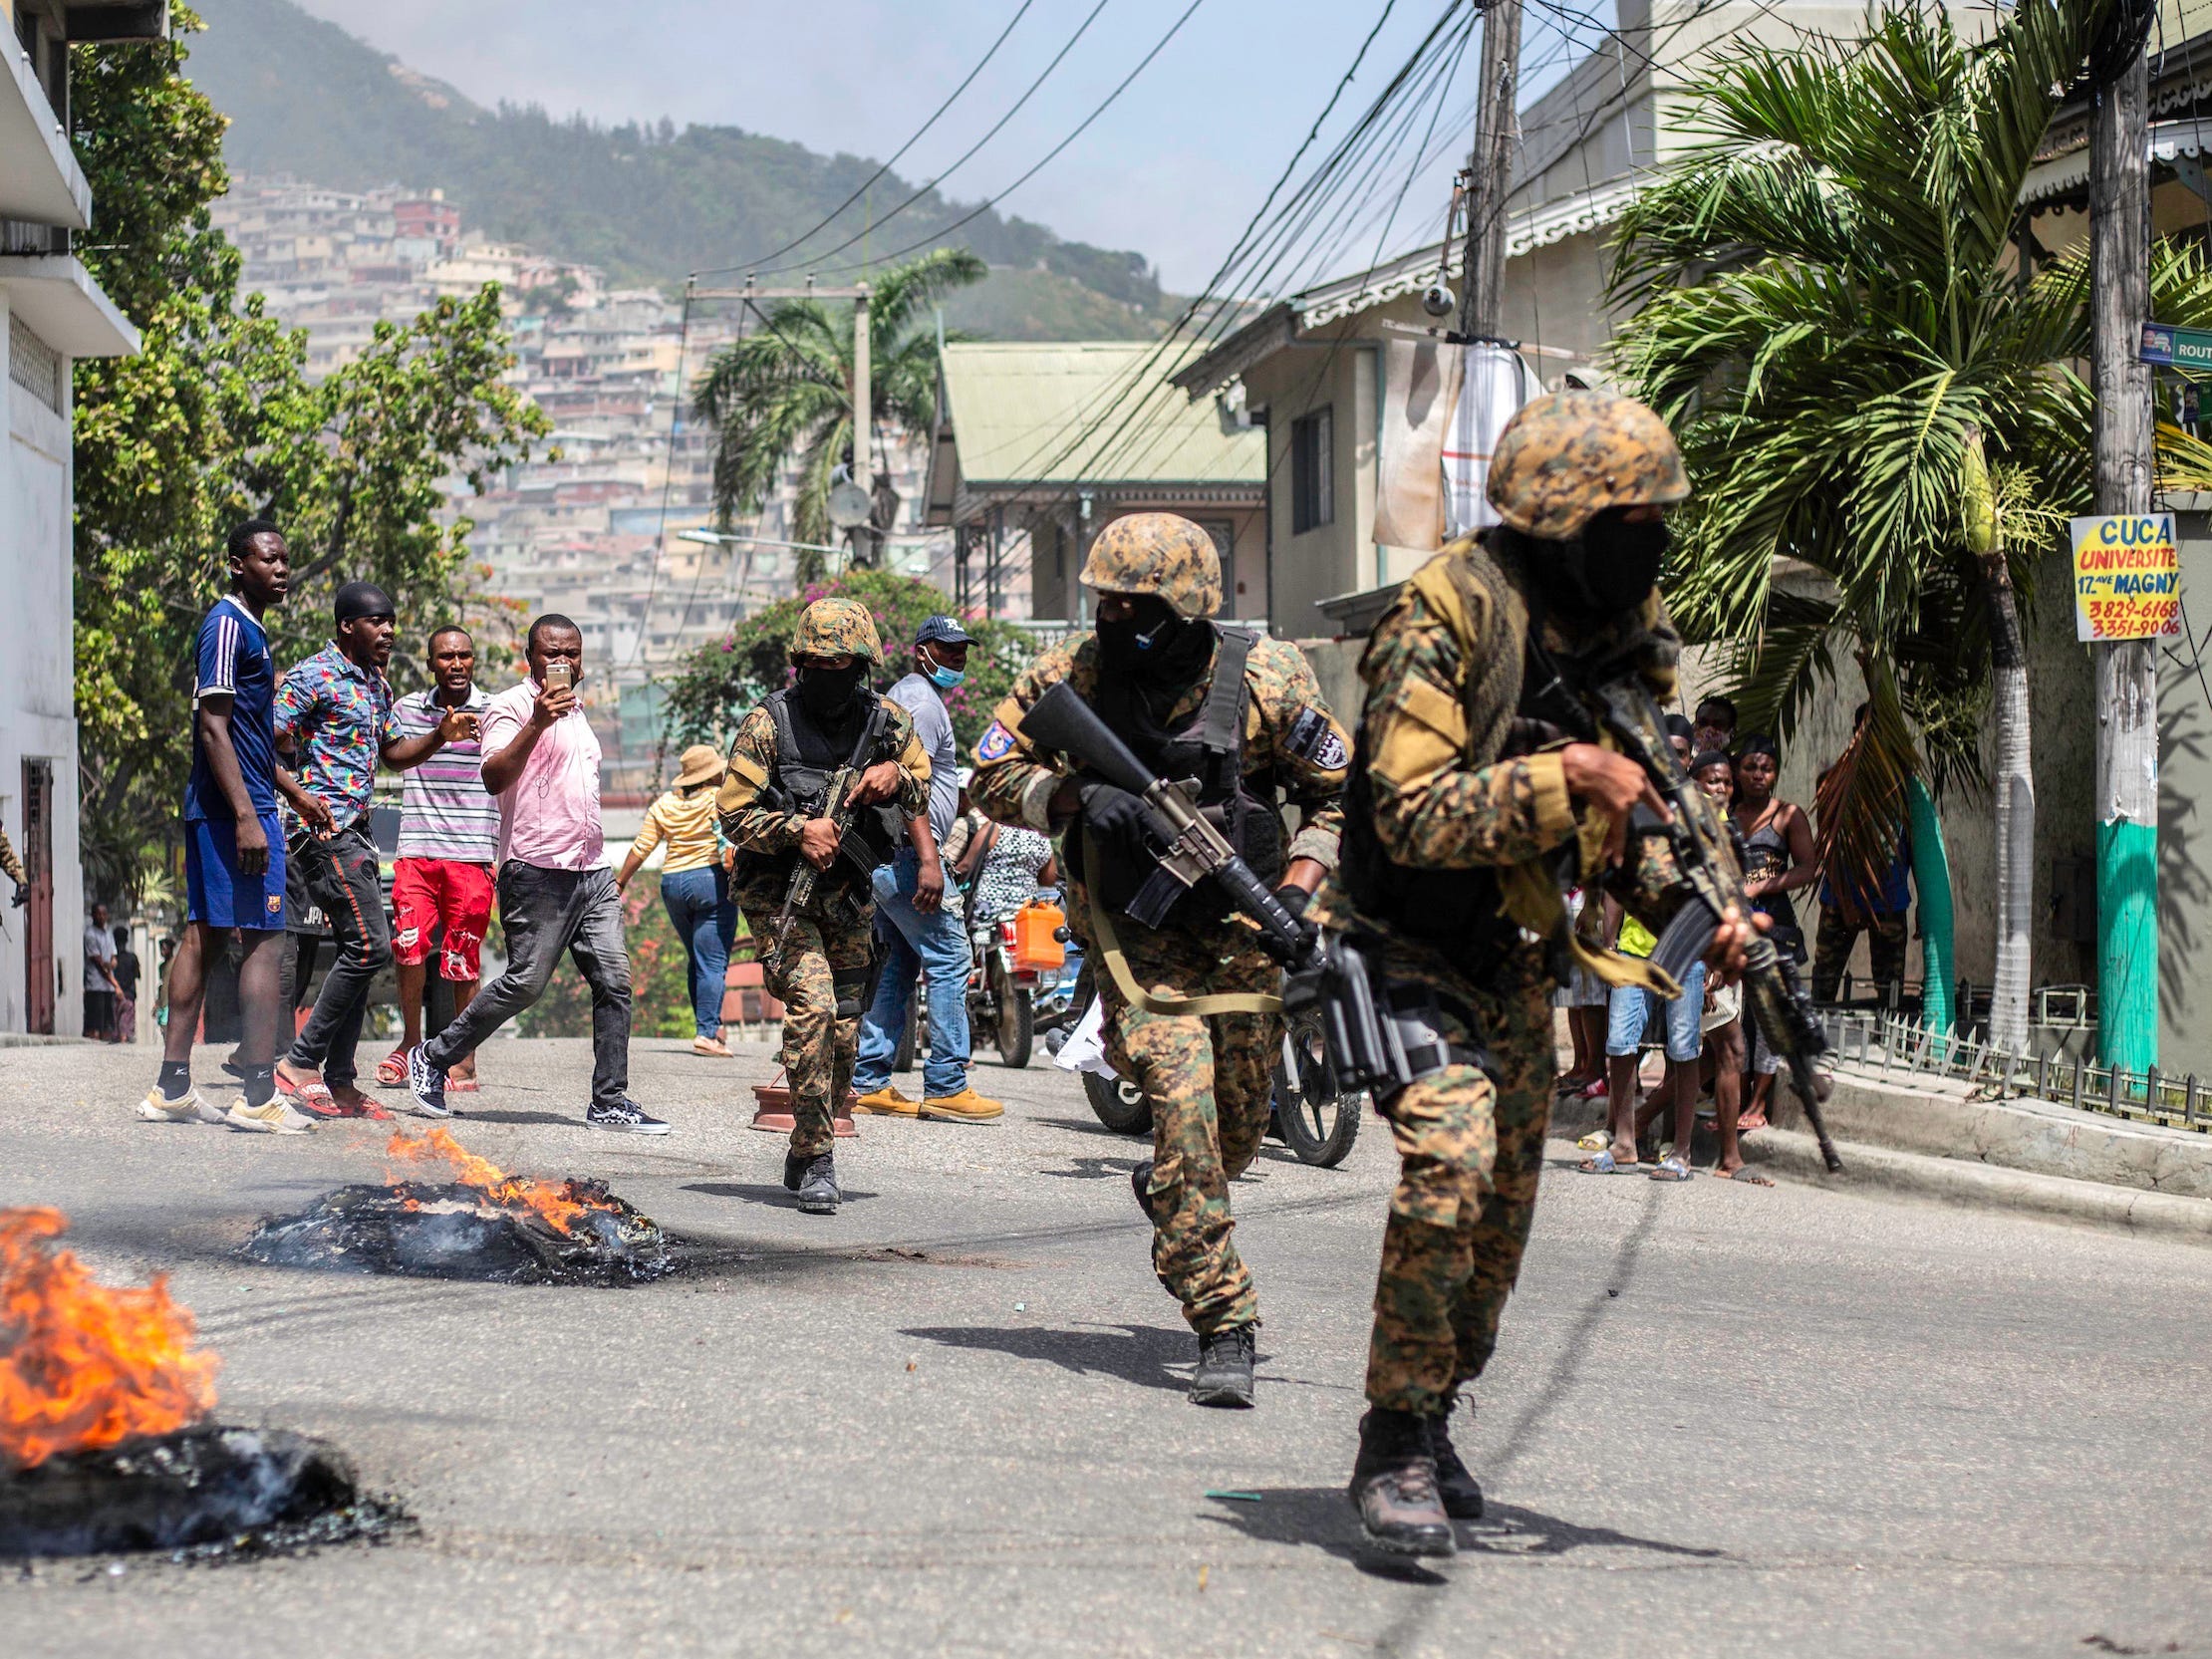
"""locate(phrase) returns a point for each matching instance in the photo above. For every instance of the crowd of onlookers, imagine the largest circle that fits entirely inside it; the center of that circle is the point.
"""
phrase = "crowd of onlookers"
(1709, 1045)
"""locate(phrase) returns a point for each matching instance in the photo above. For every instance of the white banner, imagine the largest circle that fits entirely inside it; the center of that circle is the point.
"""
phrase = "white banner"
(1493, 384)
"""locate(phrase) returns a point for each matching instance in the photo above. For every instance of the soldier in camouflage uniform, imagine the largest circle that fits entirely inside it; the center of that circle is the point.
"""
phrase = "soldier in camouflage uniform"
(1192, 1006)
(1450, 881)
(771, 803)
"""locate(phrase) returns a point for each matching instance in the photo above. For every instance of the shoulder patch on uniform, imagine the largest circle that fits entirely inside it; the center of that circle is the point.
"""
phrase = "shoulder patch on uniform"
(996, 742)
(1313, 737)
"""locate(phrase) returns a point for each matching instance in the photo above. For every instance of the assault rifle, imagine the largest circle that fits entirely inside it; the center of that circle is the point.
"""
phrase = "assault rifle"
(1196, 848)
(1708, 858)
(838, 808)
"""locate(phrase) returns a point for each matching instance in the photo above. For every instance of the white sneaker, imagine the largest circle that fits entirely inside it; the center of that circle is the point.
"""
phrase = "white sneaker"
(195, 1107)
(275, 1118)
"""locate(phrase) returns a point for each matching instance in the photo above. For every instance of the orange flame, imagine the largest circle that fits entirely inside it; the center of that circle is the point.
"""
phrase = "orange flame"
(547, 1199)
(82, 1365)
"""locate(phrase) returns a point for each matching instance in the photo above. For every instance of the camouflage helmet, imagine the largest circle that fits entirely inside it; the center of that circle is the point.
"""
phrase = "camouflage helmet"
(837, 627)
(1158, 553)
(1567, 457)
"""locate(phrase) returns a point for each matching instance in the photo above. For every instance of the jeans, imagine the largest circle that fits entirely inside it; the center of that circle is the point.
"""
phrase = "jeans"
(545, 913)
(340, 875)
(705, 919)
(936, 946)
(1630, 1011)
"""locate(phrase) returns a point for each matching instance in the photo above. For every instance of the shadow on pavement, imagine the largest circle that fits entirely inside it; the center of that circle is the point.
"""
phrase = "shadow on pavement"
(1323, 1518)
(1091, 1126)
(774, 1193)
(1093, 1168)
(1139, 1354)
(475, 1114)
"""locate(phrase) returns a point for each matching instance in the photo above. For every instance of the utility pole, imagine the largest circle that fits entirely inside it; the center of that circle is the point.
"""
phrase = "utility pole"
(2127, 670)
(863, 460)
(1491, 170)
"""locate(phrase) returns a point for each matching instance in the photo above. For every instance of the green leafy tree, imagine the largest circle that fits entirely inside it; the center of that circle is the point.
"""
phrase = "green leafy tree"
(788, 389)
(215, 418)
(711, 689)
(1829, 314)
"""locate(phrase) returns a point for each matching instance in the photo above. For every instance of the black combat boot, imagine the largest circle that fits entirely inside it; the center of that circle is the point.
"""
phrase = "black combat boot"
(1140, 1178)
(1460, 1496)
(818, 1194)
(1223, 1374)
(1394, 1485)
(795, 1170)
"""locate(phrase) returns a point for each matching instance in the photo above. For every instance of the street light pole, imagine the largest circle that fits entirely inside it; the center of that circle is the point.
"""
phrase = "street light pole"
(2127, 670)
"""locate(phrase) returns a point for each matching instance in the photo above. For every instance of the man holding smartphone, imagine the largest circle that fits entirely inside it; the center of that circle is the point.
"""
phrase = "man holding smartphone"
(556, 891)
(335, 711)
(233, 846)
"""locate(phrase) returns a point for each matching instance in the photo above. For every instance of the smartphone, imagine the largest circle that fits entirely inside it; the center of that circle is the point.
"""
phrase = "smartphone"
(559, 676)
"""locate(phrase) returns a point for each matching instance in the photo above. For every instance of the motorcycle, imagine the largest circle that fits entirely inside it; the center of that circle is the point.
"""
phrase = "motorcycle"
(1310, 1113)
(1013, 962)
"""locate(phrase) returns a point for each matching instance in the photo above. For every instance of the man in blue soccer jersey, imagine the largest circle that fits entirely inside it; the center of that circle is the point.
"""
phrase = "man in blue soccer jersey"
(233, 846)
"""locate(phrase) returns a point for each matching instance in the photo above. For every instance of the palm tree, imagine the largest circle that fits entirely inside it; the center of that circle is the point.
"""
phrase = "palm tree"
(789, 387)
(1829, 312)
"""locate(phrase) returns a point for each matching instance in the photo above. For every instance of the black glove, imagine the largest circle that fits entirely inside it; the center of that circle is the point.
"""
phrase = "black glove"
(1293, 899)
(21, 894)
(1114, 814)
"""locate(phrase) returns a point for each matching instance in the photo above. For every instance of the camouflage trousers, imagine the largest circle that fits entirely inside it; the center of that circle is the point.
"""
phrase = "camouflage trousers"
(1831, 954)
(819, 979)
(1471, 1147)
(1207, 1079)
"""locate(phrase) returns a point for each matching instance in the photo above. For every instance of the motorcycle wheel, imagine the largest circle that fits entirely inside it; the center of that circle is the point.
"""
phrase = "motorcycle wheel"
(1317, 1122)
(1015, 1031)
(1118, 1103)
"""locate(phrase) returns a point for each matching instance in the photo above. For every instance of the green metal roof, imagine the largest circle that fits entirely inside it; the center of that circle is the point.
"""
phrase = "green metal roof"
(1092, 413)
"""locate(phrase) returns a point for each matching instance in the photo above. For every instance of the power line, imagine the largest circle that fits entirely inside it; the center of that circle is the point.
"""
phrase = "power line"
(966, 156)
(668, 480)
(866, 185)
(1042, 162)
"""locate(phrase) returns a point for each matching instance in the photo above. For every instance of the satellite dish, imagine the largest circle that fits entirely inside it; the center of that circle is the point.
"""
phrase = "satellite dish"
(849, 506)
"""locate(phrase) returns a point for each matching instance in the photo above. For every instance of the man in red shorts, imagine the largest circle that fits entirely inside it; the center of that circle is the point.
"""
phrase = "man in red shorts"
(441, 884)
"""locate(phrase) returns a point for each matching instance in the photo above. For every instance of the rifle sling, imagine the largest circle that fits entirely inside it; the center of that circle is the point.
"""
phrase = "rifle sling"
(1135, 994)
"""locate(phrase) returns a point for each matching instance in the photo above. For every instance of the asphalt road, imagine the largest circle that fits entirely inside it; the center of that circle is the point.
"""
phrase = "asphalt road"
(1722, 1419)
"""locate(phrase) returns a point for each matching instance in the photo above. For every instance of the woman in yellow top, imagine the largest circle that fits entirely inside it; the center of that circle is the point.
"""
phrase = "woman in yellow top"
(694, 885)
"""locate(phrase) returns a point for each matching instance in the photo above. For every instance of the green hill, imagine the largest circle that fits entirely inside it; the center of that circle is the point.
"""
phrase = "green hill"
(646, 202)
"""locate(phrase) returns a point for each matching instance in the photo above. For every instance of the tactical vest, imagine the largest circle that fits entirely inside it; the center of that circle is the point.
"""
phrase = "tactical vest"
(1459, 911)
(1208, 746)
(806, 759)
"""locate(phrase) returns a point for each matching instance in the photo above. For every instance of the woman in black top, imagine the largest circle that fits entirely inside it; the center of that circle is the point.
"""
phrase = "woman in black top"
(1778, 860)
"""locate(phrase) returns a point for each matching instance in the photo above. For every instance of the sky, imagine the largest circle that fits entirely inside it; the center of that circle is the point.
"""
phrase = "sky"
(1174, 168)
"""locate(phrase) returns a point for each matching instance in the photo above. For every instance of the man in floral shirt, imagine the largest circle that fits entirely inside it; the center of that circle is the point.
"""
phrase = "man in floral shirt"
(333, 718)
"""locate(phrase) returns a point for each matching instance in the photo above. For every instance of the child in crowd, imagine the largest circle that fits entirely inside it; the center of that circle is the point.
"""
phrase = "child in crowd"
(1715, 773)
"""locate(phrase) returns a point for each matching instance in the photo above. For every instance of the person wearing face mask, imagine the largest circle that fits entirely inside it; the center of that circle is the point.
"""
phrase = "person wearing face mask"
(1191, 1006)
(1467, 815)
(923, 930)
(774, 808)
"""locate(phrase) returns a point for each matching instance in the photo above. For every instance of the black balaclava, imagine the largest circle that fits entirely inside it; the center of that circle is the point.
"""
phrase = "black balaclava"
(1608, 569)
(832, 693)
(1153, 643)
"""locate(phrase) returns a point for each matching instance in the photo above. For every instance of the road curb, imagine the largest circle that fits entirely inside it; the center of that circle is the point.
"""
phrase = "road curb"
(1794, 1157)
(1797, 1158)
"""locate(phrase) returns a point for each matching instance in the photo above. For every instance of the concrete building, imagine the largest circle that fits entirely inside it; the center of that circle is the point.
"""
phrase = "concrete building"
(55, 314)
(1039, 446)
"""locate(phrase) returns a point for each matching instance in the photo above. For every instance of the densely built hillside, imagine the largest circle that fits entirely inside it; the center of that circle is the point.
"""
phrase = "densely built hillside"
(647, 203)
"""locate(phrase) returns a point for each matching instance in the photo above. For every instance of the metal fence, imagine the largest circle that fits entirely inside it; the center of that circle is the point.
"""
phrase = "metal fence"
(1886, 1043)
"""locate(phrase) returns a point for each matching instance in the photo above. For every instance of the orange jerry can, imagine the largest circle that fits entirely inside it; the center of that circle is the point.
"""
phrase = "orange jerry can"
(1035, 946)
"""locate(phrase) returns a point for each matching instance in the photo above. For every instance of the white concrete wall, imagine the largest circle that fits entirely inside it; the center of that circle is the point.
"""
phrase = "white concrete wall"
(37, 679)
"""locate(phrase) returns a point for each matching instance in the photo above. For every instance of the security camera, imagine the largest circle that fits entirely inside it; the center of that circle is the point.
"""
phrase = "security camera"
(1437, 300)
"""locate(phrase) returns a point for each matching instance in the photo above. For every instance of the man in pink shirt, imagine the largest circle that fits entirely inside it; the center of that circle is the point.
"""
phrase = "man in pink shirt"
(556, 891)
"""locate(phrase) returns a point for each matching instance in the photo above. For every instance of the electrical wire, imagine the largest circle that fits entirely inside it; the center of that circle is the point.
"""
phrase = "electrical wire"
(869, 183)
(966, 156)
(668, 480)
(1040, 165)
